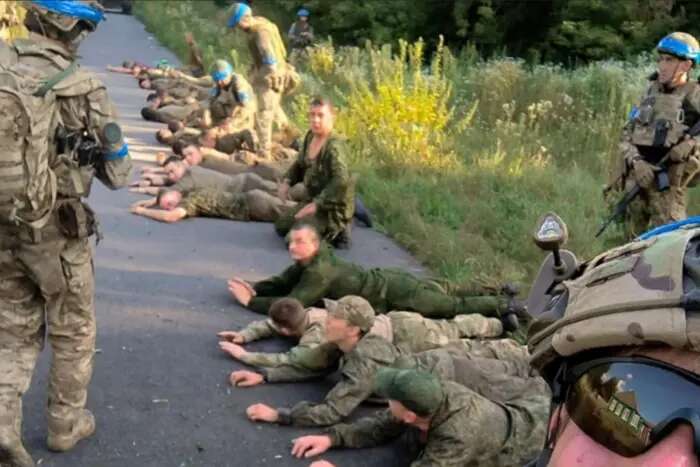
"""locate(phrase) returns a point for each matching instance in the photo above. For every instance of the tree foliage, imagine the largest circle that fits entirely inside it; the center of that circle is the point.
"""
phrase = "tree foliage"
(568, 31)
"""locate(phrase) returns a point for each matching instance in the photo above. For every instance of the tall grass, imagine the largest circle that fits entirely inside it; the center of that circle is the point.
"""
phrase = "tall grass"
(456, 156)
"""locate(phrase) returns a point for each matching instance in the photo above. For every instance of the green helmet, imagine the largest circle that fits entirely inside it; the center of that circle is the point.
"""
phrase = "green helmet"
(681, 45)
(643, 293)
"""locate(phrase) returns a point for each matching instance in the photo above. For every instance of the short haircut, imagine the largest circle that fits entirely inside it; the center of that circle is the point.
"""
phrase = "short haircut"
(287, 313)
(319, 101)
(178, 146)
(171, 159)
(303, 225)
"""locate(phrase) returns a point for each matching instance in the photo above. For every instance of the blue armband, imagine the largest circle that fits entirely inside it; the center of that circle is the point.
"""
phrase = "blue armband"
(269, 60)
(120, 153)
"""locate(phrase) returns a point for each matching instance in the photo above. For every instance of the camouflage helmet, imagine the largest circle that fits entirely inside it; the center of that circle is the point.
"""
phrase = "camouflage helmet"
(681, 45)
(644, 293)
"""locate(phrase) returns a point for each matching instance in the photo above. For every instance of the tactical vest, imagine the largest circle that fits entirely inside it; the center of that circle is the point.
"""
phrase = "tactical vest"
(266, 27)
(660, 120)
(629, 296)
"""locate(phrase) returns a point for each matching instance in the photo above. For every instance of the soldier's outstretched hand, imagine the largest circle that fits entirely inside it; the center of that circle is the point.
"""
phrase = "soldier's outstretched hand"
(231, 336)
(262, 413)
(234, 350)
(240, 292)
(310, 446)
(321, 463)
(246, 378)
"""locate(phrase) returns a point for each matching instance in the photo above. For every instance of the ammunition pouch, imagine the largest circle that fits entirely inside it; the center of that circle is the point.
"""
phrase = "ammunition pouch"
(76, 219)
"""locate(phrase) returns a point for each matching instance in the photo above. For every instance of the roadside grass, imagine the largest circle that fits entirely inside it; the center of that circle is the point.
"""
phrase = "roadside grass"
(457, 157)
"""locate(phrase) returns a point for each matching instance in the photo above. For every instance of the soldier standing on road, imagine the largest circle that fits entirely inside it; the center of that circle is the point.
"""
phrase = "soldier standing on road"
(655, 137)
(271, 75)
(58, 131)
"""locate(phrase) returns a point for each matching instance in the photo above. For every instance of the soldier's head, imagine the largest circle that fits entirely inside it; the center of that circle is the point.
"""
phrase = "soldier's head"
(348, 320)
(165, 136)
(303, 15)
(304, 242)
(414, 396)
(175, 169)
(288, 314)
(168, 199)
(321, 116)
(192, 154)
(241, 17)
(677, 54)
(145, 83)
(620, 346)
(222, 73)
(66, 21)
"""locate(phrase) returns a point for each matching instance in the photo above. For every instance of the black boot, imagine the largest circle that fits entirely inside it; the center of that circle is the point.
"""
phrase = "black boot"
(342, 240)
(362, 213)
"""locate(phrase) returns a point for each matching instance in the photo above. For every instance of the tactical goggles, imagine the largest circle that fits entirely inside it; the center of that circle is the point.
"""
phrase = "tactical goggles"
(629, 404)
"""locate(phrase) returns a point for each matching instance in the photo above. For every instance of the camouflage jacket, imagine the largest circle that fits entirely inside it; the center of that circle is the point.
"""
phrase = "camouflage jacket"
(237, 101)
(467, 430)
(83, 105)
(326, 178)
(265, 44)
(313, 335)
(215, 203)
(358, 368)
(198, 178)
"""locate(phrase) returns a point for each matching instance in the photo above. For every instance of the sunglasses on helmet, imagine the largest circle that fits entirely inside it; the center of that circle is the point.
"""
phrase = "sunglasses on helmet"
(627, 404)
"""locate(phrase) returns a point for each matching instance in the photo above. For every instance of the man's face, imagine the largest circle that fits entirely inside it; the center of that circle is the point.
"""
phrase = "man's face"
(245, 23)
(303, 19)
(574, 447)
(145, 84)
(192, 155)
(320, 119)
(671, 68)
(175, 171)
(337, 330)
(170, 200)
(303, 244)
(222, 83)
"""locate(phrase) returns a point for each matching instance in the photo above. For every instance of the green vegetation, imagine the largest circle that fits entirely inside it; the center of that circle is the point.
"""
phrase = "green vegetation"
(457, 156)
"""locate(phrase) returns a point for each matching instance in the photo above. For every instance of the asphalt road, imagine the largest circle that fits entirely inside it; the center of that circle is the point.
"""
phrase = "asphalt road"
(160, 391)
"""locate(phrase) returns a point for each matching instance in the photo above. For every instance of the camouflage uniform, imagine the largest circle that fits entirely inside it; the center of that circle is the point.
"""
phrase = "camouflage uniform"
(252, 205)
(328, 183)
(266, 171)
(235, 102)
(641, 141)
(409, 332)
(46, 271)
(271, 77)
(328, 276)
(296, 39)
(198, 178)
(467, 428)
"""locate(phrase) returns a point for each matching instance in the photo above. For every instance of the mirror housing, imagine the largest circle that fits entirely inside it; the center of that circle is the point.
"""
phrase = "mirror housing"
(551, 232)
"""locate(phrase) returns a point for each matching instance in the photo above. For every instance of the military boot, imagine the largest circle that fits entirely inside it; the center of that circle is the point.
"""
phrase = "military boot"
(65, 434)
(12, 452)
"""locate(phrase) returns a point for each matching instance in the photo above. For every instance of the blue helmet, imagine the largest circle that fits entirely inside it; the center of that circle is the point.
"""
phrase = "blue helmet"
(221, 70)
(303, 12)
(239, 11)
(73, 10)
(681, 45)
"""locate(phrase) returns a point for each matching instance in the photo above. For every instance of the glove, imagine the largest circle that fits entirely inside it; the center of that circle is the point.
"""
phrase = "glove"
(643, 173)
(276, 81)
(681, 151)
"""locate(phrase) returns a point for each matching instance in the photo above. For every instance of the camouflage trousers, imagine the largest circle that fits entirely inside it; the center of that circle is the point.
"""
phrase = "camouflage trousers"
(45, 289)
(414, 333)
(270, 113)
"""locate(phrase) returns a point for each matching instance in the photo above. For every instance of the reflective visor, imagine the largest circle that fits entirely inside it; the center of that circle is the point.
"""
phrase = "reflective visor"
(627, 404)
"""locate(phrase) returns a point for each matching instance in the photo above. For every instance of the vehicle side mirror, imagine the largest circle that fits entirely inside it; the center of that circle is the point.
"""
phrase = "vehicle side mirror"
(551, 233)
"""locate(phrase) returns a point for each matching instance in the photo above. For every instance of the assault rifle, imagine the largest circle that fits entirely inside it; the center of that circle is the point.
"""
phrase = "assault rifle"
(662, 184)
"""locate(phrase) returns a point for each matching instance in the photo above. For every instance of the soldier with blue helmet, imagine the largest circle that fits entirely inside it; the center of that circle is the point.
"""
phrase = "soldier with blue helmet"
(301, 34)
(58, 132)
(271, 75)
(658, 154)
